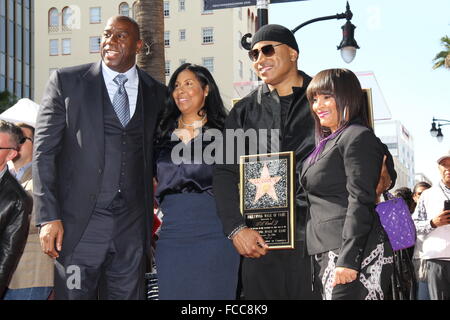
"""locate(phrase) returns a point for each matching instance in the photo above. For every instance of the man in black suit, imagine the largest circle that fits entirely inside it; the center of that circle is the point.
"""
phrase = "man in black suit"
(92, 170)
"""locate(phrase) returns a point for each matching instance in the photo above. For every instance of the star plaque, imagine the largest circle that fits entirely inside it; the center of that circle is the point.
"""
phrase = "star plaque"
(267, 196)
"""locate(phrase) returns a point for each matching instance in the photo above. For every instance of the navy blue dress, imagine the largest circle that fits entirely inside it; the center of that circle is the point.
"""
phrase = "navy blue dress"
(194, 259)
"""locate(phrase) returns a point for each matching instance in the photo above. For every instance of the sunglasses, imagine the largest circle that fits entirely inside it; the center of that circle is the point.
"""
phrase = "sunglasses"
(9, 148)
(25, 139)
(267, 50)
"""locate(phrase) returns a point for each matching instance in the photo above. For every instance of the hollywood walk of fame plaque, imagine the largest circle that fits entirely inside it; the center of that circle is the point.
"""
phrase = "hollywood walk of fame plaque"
(267, 196)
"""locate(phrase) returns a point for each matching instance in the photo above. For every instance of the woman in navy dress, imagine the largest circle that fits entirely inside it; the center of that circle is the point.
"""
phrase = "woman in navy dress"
(194, 259)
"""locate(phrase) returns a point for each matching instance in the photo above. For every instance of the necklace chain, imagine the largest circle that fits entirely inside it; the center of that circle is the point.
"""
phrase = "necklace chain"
(193, 123)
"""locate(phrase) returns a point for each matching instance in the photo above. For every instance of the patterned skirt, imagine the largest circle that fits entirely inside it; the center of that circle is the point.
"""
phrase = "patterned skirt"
(372, 283)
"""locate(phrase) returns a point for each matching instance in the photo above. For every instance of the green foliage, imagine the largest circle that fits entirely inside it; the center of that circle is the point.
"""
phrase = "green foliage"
(442, 59)
(7, 100)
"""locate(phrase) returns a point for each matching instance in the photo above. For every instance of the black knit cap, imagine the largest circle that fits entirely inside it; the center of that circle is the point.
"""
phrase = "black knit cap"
(275, 32)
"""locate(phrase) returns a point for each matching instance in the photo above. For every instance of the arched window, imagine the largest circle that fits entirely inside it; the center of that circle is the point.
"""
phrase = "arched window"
(67, 19)
(53, 20)
(134, 10)
(124, 9)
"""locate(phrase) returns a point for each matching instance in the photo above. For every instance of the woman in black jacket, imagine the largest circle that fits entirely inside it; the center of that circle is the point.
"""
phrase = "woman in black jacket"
(352, 255)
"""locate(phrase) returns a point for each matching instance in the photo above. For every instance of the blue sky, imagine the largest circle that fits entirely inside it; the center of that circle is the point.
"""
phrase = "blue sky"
(398, 40)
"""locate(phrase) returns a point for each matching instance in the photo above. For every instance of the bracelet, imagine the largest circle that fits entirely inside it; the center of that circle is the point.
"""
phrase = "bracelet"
(236, 230)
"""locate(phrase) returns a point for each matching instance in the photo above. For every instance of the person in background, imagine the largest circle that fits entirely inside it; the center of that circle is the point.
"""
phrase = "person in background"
(406, 194)
(420, 269)
(418, 189)
(15, 206)
(33, 277)
(353, 258)
(194, 259)
(432, 221)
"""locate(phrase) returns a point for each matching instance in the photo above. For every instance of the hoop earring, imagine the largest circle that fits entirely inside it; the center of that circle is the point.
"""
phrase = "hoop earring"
(344, 115)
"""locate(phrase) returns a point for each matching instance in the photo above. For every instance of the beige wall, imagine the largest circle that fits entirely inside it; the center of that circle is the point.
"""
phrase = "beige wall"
(79, 35)
(225, 49)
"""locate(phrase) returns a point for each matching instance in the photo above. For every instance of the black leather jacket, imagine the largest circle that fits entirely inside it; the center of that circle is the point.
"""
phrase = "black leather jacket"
(15, 210)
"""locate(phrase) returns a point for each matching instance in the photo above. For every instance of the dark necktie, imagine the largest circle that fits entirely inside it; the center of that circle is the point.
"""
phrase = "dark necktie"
(120, 101)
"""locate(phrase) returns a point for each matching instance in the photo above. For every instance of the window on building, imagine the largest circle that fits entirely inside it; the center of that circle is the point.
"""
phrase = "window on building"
(181, 5)
(67, 19)
(124, 9)
(53, 20)
(166, 9)
(134, 9)
(208, 63)
(241, 69)
(166, 38)
(207, 35)
(95, 15)
(66, 46)
(94, 44)
(182, 34)
(239, 35)
(167, 68)
(205, 11)
(54, 47)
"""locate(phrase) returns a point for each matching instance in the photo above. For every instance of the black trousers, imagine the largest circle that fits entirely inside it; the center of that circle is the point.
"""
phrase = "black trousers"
(372, 282)
(279, 275)
(108, 262)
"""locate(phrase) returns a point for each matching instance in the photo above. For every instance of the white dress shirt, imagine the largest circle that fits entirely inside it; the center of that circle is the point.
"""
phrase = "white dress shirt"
(131, 86)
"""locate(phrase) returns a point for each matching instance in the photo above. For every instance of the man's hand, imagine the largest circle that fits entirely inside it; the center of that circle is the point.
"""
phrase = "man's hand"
(344, 275)
(441, 220)
(50, 235)
(249, 243)
(385, 180)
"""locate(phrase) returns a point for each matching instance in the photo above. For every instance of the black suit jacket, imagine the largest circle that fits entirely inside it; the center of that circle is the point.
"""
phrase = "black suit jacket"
(69, 147)
(341, 193)
(261, 109)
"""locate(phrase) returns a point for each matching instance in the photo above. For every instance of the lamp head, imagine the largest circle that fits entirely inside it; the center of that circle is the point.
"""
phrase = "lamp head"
(348, 44)
(439, 135)
(433, 130)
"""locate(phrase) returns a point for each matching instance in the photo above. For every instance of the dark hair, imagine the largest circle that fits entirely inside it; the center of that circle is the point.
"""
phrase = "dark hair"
(14, 132)
(422, 184)
(213, 107)
(344, 86)
(407, 195)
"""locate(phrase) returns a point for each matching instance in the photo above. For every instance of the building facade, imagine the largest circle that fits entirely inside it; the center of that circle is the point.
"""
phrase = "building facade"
(212, 39)
(208, 38)
(16, 47)
(401, 145)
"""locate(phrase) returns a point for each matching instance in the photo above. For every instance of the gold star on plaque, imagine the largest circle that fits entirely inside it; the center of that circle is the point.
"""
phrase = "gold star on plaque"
(265, 184)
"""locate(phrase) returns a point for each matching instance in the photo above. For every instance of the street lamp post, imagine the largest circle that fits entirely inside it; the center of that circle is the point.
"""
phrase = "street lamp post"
(347, 46)
(437, 132)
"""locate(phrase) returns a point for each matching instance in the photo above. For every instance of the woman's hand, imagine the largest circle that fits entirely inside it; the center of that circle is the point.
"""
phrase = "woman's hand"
(344, 275)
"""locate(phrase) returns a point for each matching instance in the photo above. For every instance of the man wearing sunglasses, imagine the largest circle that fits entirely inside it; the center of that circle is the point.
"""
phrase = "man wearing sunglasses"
(33, 277)
(279, 103)
(15, 206)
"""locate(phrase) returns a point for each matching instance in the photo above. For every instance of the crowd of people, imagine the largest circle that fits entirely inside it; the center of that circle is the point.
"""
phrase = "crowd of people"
(107, 133)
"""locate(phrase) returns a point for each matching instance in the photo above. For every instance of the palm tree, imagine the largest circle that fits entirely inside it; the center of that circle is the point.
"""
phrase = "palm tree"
(442, 59)
(149, 15)
(7, 100)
